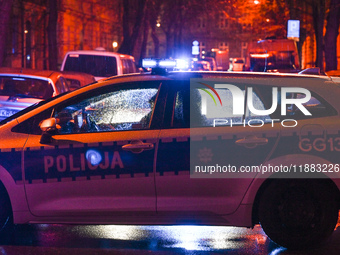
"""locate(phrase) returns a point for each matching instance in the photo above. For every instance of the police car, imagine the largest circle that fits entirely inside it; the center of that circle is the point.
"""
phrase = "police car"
(20, 88)
(212, 148)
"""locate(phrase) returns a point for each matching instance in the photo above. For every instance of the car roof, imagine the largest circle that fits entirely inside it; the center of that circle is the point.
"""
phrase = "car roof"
(82, 78)
(99, 53)
(186, 75)
(53, 75)
(320, 84)
(78, 75)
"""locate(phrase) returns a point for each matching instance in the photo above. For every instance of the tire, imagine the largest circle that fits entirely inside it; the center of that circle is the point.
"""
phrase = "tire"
(6, 214)
(298, 214)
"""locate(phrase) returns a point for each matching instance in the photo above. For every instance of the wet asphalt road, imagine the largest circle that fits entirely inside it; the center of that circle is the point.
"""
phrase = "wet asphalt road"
(113, 239)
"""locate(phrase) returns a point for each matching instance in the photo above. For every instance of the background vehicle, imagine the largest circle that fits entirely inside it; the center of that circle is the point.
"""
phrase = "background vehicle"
(124, 150)
(237, 64)
(77, 80)
(99, 63)
(221, 58)
(273, 55)
(200, 65)
(212, 63)
(20, 88)
(333, 73)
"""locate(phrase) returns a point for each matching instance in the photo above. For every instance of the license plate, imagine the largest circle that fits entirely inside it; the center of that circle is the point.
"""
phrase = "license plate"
(6, 112)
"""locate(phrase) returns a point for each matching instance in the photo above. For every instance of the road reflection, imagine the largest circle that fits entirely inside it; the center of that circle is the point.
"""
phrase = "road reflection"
(114, 239)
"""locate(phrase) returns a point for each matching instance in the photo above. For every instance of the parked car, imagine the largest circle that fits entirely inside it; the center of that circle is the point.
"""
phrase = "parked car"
(20, 88)
(335, 75)
(212, 63)
(77, 79)
(200, 65)
(180, 148)
(99, 63)
(237, 64)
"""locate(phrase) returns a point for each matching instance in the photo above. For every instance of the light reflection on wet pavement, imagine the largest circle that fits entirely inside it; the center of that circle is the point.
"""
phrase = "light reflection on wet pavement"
(113, 239)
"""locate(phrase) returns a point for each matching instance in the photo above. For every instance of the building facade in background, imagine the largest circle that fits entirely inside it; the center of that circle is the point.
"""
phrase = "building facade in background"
(87, 25)
(82, 25)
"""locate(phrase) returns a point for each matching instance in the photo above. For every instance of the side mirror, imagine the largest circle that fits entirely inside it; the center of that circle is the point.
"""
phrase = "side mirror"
(49, 127)
(49, 124)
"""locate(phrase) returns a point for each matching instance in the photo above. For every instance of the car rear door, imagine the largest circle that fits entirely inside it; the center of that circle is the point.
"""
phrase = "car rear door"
(100, 164)
(191, 141)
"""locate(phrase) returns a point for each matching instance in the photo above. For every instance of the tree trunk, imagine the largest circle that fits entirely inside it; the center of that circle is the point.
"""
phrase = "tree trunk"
(124, 48)
(155, 42)
(137, 25)
(169, 34)
(169, 44)
(318, 20)
(52, 35)
(129, 41)
(332, 32)
(5, 11)
(154, 8)
(145, 38)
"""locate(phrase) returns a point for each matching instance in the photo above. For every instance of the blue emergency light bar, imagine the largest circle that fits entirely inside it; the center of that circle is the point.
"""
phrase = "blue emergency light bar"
(158, 63)
(161, 66)
(149, 63)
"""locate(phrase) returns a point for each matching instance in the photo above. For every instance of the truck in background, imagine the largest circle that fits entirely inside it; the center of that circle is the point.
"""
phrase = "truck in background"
(273, 55)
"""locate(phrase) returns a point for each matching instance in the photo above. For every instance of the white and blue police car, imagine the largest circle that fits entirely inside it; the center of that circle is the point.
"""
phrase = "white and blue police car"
(214, 148)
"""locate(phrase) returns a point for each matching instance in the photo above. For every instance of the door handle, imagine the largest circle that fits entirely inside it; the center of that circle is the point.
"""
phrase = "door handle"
(251, 141)
(137, 146)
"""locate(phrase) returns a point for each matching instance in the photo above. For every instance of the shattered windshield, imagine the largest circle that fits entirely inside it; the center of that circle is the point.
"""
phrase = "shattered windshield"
(120, 110)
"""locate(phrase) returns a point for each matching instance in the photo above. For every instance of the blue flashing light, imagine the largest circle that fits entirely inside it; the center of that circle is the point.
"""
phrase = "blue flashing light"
(159, 66)
(149, 63)
(158, 63)
(182, 64)
(167, 63)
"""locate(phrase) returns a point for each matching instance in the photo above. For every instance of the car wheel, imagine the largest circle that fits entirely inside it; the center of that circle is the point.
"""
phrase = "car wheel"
(6, 215)
(298, 214)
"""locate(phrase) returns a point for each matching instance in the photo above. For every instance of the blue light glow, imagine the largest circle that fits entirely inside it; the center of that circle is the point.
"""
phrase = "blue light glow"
(93, 157)
(149, 63)
(166, 63)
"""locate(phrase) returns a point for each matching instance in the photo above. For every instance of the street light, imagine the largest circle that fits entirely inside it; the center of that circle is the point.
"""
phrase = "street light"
(114, 45)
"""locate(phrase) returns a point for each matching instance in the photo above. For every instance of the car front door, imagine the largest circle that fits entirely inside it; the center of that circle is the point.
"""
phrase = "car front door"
(100, 162)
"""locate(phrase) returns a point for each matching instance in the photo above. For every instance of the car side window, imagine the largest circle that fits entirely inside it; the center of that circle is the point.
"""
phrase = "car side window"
(64, 83)
(128, 66)
(118, 110)
(178, 119)
(198, 109)
(60, 85)
(131, 65)
(124, 66)
(258, 104)
(315, 106)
